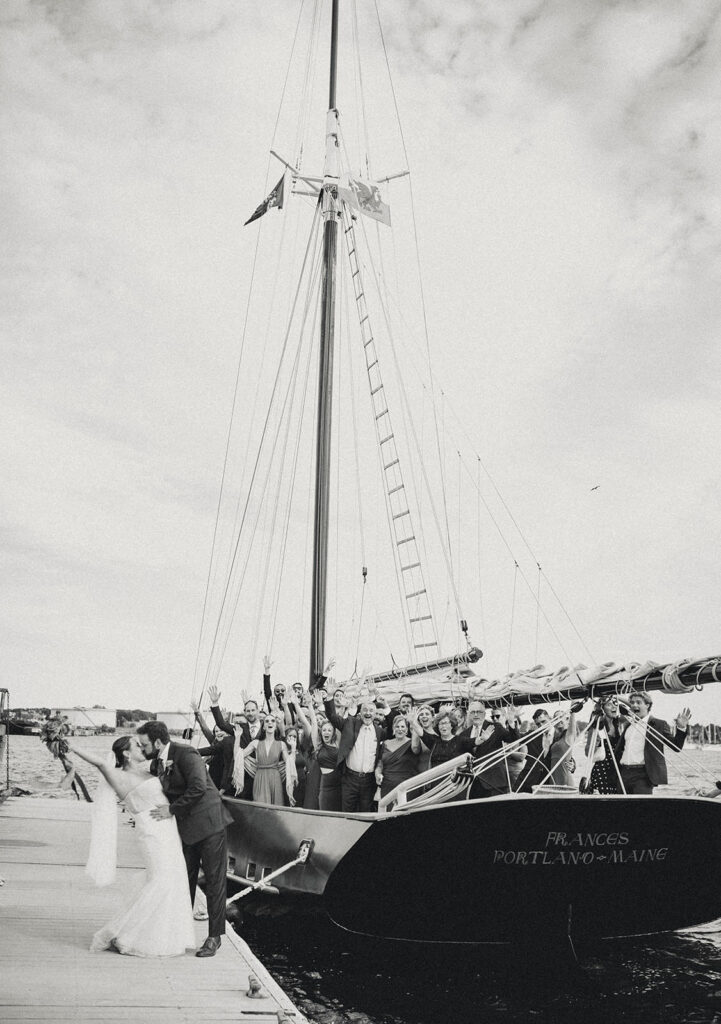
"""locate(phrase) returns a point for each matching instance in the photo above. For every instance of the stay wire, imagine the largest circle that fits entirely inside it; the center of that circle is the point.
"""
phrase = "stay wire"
(424, 310)
(256, 465)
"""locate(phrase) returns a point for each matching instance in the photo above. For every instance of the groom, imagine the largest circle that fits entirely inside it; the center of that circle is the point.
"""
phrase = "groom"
(195, 804)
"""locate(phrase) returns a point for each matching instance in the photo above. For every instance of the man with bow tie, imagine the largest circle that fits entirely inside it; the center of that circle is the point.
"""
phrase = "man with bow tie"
(200, 816)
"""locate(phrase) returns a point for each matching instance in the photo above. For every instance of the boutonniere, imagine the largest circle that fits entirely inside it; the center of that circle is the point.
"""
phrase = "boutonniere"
(168, 765)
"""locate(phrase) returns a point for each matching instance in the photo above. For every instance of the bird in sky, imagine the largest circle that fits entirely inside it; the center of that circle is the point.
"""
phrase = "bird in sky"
(596, 487)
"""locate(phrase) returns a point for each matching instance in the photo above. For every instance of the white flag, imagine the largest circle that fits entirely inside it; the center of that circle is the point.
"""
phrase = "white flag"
(364, 196)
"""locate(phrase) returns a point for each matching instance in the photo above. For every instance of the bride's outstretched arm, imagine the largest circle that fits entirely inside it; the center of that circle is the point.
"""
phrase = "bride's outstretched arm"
(113, 776)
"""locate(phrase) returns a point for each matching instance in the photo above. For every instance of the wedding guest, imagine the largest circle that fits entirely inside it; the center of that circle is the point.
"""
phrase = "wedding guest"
(607, 726)
(397, 757)
(271, 752)
(357, 754)
(641, 747)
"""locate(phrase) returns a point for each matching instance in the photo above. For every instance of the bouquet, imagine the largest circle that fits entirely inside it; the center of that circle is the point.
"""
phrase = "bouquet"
(52, 734)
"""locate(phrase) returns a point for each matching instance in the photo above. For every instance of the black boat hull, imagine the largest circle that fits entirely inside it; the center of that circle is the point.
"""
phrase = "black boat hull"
(499, 870)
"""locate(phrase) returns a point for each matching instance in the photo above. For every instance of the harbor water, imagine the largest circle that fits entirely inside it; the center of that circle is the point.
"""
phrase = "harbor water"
(336, 978)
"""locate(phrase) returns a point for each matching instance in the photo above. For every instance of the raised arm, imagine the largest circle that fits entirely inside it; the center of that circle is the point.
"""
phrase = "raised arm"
(208, 733)
(222, 723)
(113, 776)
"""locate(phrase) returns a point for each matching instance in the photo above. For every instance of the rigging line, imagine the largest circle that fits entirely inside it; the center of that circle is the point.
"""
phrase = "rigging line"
(480, 565)
(459, 548)
(276, 503)
(502, 501)
(359, 490)
(424, 311)
(563, 609)
(414, 434)
(304, 603)
(311, 238)
(538, 616)
(364, 117)
(410, 469)
(513, 612)
(264, 349)
(520, 570)
(213, 566)
(213, 563)
(261, 502)
(356, 446)
(240, 576)
(303, 406)
(347, 222)
(308, 79)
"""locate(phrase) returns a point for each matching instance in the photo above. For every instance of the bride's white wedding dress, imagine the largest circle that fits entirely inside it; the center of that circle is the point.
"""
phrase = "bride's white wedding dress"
(159, 920)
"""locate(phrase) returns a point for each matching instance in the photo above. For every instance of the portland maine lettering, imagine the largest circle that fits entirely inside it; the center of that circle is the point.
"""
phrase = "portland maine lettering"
(583, 848)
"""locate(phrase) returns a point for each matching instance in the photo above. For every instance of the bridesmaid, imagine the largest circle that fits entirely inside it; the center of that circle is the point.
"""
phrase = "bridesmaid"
(271, 752)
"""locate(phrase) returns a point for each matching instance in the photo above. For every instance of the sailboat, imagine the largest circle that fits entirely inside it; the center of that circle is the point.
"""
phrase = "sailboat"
(550, 863)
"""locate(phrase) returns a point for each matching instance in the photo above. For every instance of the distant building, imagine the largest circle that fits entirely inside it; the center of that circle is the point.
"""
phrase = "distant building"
(88, 719)
(176, 721)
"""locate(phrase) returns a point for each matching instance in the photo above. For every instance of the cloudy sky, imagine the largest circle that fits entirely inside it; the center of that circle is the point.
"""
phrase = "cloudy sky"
(564, 159)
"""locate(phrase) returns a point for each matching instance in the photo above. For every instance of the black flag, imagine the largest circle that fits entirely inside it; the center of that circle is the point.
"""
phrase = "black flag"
(274, 199)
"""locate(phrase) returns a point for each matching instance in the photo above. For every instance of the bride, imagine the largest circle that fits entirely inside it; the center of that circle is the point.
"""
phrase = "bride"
(159, 920)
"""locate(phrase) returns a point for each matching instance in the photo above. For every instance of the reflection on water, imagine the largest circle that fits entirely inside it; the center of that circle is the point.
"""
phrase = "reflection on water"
(336, 978)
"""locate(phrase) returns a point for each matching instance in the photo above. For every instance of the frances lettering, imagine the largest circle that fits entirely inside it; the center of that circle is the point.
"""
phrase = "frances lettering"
(583, 849)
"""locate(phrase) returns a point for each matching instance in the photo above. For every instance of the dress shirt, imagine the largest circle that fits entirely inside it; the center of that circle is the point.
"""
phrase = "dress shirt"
(362, 758)
(633, 750)
(254, 729)
(163, 757)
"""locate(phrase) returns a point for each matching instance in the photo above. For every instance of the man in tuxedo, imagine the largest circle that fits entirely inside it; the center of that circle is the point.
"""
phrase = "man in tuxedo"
(195, 804)
(640, 750)
(358, 749)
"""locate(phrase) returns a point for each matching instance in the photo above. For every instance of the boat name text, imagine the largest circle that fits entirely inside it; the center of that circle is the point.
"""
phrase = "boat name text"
(585, 848)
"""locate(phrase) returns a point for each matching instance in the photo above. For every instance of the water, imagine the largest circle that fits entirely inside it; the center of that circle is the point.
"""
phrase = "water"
(336, 978)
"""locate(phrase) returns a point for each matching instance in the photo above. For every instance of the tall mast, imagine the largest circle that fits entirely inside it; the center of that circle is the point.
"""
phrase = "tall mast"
(329, 200)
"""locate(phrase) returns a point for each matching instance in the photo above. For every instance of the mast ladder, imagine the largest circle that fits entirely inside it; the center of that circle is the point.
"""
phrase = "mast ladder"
(418, 609)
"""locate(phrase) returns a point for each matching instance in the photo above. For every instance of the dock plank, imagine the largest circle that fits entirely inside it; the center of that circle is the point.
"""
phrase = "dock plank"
(49, 911)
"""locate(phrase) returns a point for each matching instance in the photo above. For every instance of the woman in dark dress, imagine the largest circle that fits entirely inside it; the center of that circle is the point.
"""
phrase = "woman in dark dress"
(326, 752)
(398, 760)
(424, 715)
(307, 720)
(447, 744)
(296, 765)
(604, 774)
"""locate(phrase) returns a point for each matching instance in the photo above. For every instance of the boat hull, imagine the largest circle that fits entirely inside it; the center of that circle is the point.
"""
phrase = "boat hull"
(495, 871)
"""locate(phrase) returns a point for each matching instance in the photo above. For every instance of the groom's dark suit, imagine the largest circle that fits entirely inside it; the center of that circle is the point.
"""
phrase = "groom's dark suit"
(201, 818)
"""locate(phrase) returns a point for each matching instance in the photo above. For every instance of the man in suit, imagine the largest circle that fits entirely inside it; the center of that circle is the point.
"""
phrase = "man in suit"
(219, 752)
(250, 729)
(640, 752)
(358, 751)
(195, 804)
(492, 735)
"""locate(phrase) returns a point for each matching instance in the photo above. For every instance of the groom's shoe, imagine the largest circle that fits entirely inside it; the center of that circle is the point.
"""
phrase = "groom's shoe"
(210, 947)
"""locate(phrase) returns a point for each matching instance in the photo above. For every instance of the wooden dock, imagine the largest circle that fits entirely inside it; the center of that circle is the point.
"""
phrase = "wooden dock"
(49, 911)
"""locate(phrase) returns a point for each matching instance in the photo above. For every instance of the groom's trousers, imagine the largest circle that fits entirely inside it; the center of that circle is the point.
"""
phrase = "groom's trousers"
(210, 853)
